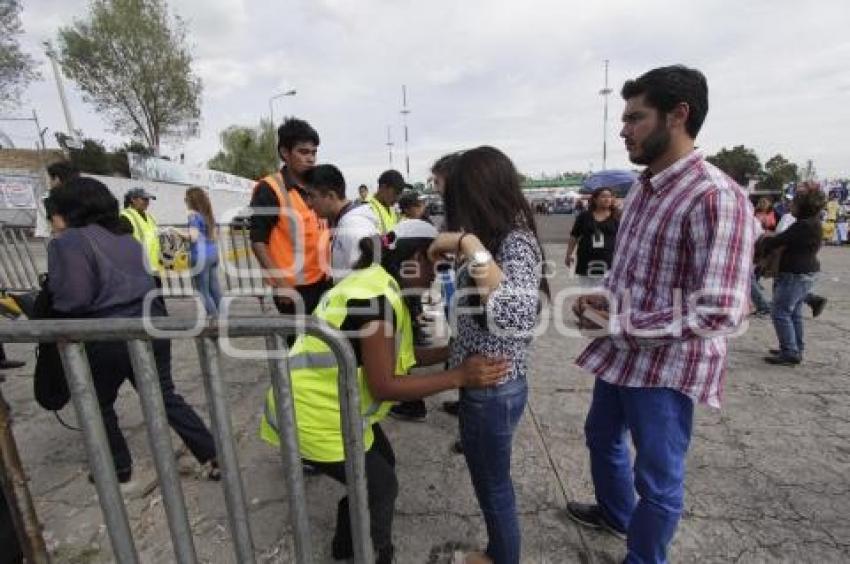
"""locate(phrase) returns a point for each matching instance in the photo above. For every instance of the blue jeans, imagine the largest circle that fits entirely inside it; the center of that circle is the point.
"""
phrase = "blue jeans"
(206, 282)
(789, 295)
(758, 296)
(488, 419)
(660, 422)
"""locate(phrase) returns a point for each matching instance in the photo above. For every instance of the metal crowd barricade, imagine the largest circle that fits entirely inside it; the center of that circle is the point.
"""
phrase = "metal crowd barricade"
(70, 335)
(19, 259)
(240, 271)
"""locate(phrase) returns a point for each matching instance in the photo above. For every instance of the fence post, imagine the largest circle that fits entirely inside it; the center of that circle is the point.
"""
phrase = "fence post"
(353, 425)
(17, 494)
(289, 450)
(78, 374)
(153, 408)
(234, 495)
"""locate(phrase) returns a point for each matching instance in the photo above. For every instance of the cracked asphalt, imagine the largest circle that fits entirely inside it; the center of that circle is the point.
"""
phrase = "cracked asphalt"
(768, 475)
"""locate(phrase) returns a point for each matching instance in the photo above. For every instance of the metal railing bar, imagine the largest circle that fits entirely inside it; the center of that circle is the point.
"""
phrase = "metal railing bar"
(156, 421)
(234, 494)
(289, 450)
(78, 374)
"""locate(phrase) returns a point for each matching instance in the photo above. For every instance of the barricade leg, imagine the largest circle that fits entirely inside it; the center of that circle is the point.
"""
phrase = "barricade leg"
(78, 374)
(289, 451)
(234, 495)
(355, 453)
(150, 395)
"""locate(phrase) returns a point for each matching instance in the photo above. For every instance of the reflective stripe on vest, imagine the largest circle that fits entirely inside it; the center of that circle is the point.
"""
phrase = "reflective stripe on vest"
(295, 243)
(315, 377)
(145, 232)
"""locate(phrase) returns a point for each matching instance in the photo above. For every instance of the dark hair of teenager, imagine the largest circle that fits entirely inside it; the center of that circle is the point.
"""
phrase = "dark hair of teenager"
(391, 259)
(445, 164)
(326, 178)
(483, 196)
(594, 201)
(63, 170)
(665, 88)
(84, 201)
(197, 200)
(808, 203)
(295, 131)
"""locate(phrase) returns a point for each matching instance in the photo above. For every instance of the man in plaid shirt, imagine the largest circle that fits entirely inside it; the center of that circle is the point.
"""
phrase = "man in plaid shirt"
(678, 286)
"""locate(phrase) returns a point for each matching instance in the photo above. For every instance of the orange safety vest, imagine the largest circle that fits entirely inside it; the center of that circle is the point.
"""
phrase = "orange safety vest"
(298, 244)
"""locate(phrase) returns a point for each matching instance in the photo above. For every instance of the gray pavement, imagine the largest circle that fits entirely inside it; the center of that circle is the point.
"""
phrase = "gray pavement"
(768, 476)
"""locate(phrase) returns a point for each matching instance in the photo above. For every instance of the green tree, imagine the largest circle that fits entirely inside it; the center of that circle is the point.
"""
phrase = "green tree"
(739, 162)
(17, 69)
(250, 152)
(778, 172)
(132, 61)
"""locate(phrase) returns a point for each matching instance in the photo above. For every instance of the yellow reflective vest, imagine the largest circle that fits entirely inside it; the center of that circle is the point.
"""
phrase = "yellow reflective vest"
(387, 218)
(145, 231)
(314, 371)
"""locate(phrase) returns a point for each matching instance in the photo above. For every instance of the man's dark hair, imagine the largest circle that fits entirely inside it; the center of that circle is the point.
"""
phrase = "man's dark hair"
(63, 170)
(666, 87)
(295, 131)
(326, 178)
(808, 203)
(83, 201)
(393, 179)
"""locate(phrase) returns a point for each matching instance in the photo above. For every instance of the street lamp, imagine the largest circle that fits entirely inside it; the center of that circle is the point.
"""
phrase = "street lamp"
(275, 97)
(605, 92)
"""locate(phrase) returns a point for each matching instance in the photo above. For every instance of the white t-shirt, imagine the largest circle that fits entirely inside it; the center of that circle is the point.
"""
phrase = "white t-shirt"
(355, 224)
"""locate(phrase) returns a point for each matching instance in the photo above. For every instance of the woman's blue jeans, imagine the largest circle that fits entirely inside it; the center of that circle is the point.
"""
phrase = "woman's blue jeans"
(206, 282)
(488, 419)
(789, 295)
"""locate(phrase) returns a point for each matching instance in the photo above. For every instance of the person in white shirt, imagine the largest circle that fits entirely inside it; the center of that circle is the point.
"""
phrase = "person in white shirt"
(350, 222)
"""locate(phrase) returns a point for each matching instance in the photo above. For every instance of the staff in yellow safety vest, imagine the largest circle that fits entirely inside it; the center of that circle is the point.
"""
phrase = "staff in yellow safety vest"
(143, 224)
(390, 186)
(369, 307)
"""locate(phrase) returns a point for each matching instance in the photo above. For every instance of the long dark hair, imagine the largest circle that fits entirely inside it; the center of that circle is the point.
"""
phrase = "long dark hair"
(594, 201)
(197, 200)
(84, 201)
(483, 196)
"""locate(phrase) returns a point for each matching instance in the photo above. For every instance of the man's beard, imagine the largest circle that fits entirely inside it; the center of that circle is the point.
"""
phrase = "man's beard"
(655, 145)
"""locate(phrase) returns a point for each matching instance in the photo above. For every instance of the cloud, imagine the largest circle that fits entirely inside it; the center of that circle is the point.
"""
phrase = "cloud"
(523, 76)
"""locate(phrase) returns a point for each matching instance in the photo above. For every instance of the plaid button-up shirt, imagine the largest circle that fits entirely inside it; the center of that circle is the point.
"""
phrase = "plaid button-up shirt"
(679, 283)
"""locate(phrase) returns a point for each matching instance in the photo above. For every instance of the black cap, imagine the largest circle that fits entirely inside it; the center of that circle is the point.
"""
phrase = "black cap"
(408, 199)
(394, 179)
(139, 193)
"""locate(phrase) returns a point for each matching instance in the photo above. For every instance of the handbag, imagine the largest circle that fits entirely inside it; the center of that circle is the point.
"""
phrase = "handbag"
(49, 383)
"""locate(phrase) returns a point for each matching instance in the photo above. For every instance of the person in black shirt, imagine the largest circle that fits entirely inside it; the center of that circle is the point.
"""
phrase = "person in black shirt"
(797, 269)
(297, 146)
(594, 233)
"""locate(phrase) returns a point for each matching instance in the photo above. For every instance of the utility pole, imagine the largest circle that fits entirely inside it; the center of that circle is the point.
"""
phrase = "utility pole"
(62, 99)
(605, 92)
(404, 112)
(390, 145)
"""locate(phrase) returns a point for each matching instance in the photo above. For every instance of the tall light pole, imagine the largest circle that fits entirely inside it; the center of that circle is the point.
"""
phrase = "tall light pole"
(605, 92)
(404, 112)
(390, 145)
(275, 97)
(72, 133)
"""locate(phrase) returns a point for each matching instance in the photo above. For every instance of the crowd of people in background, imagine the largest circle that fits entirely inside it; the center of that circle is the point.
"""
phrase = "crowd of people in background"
(363, 265)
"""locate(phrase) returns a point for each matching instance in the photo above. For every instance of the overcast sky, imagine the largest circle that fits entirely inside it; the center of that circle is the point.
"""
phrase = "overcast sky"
(522, 76)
